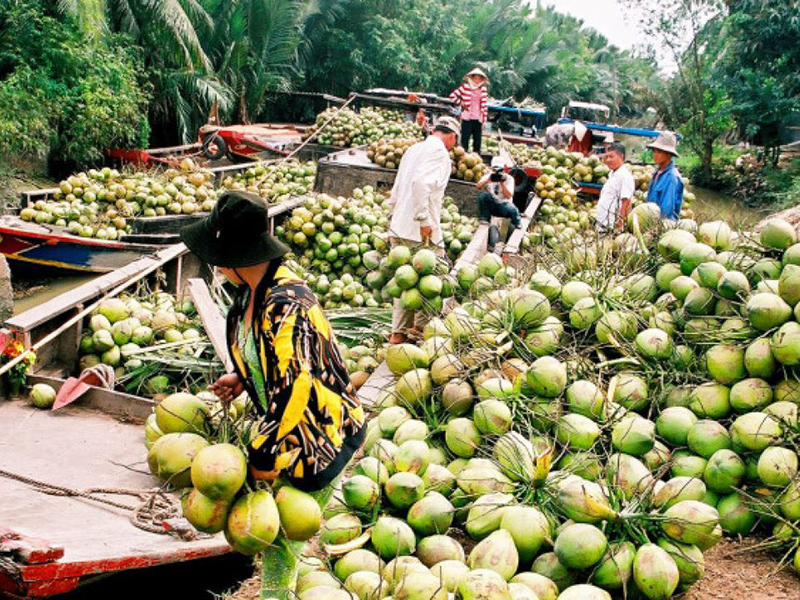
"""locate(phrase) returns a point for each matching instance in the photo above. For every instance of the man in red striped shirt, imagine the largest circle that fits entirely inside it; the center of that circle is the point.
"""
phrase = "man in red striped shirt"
(473, 99)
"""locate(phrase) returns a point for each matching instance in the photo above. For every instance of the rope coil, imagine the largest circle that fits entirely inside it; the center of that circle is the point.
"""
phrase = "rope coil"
(156, 507)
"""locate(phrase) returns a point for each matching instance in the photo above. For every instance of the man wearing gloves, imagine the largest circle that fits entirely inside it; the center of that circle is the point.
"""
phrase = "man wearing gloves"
(416, 203)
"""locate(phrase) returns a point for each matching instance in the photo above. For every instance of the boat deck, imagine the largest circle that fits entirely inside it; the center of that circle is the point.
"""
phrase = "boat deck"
(79, 448)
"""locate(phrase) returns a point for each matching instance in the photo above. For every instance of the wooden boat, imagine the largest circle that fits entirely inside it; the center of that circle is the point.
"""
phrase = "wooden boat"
(33, 249)
(49, 544)
(340, 173)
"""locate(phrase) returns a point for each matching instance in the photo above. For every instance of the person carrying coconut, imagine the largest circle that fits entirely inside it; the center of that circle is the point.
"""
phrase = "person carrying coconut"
(666, 186)
(416, 206)
(286, 358)
(473, 99)
(617, 193)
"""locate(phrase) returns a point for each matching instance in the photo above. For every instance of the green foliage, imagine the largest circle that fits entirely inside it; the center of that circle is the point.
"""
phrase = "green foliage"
(62, 96)
(762, 67)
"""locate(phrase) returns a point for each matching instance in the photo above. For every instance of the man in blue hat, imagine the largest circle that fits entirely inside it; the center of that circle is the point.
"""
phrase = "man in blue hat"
(666, 186)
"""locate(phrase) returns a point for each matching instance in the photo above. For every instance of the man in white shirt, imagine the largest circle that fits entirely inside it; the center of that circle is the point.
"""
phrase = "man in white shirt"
(497, 197)
(615, 197)
(416, 203)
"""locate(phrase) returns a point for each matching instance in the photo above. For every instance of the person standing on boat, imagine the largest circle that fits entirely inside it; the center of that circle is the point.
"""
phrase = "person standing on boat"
(286, 358)
(473, 99)
(617, 193)
(416, 205)
(666, 186)
(496, 199)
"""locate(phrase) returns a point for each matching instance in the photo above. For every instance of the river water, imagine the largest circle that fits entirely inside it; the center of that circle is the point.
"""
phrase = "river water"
(713, 205)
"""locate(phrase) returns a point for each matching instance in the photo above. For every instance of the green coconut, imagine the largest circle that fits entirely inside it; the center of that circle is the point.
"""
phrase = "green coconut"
(483, 584)
(699, 302)
(633, 435)
(750, 394)
(674, 423)
(544, 588)
(692, 255)
(756, 430)
(412, 457)
(340, 529)
(486, 513)
(414, 387)
(678, 489)
(688, 558)
(579, 546)
(706, 437)
(767, 311)
(785, 343)
(219, 471)
(170, 458)
(758, 359)
(361, 493)
(577, 431)
(616, 567)
(496, 552)
(630, 391)
(205, 514)
(253, 523)
(462, 437)
(710, 400)
(413, 429)
(619, 325)
(357, 561)
(547, 564)
(666, 274)
(432, 514)
(546, 284)
(716, 234)
(778, 234)
(437, 548)
(300, 513)
(777, 466)
(724, 471)
(689, 521)
(654, 343)
(404, 489)
(529, 528)
(672, 242)
(547, 377)
(735, 514)
(584, 501)
(585, 398)
(725, 363)
(392, 537)
(629, 474)
(181, 412)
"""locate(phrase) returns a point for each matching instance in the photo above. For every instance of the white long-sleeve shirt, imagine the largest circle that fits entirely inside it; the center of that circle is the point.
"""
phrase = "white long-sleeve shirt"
(418, 191)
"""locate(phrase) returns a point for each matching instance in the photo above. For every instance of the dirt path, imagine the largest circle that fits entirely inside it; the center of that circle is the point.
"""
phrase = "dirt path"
(735, 575)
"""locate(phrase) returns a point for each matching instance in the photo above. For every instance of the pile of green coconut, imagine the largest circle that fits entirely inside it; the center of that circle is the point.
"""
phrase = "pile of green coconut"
(587, 429)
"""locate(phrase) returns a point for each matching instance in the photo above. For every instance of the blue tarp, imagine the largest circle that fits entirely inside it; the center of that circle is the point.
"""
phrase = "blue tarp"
(518, 111)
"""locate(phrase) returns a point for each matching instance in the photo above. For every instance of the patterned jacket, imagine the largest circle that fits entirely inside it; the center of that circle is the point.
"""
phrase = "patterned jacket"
(311, 419)
(463, 95)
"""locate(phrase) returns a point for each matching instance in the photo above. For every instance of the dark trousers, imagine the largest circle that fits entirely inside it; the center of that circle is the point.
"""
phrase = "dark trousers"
(473, 129)
(489, 206)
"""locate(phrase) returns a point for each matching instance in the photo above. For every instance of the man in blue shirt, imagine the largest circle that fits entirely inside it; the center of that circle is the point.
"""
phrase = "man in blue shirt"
(666, 186)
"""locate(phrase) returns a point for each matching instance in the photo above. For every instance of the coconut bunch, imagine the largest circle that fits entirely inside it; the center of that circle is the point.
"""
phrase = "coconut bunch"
(195, 445)
(457, 229)
(336, 242)
(389, 153)
(467, 166)
(599, 445)
(416, 277)
(275, 182)
(155, 343)
(100, 203)
(363, 126)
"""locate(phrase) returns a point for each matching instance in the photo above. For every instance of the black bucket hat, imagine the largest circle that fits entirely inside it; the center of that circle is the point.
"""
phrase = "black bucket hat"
(235, 234)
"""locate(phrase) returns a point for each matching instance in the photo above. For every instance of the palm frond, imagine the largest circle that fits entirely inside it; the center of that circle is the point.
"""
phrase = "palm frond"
(89, 14)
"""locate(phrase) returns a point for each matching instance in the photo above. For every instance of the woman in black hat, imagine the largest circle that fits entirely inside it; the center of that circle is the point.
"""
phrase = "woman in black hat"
(283, 350)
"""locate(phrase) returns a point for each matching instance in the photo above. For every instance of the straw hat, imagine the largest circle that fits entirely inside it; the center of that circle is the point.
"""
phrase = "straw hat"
(667, 142)
(477, 71)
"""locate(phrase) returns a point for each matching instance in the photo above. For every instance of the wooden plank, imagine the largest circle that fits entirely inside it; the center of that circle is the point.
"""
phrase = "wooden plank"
(29, 319)
(475, 249)
(380, 379)
(27, 549)
(213, 321)
(528, 217)
(111, 402)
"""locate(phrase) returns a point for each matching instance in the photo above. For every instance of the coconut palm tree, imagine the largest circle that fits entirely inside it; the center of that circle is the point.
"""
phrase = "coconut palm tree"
(169, 34)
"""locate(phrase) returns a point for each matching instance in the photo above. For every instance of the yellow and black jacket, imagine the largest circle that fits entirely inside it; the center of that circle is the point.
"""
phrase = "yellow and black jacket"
(312, 420)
